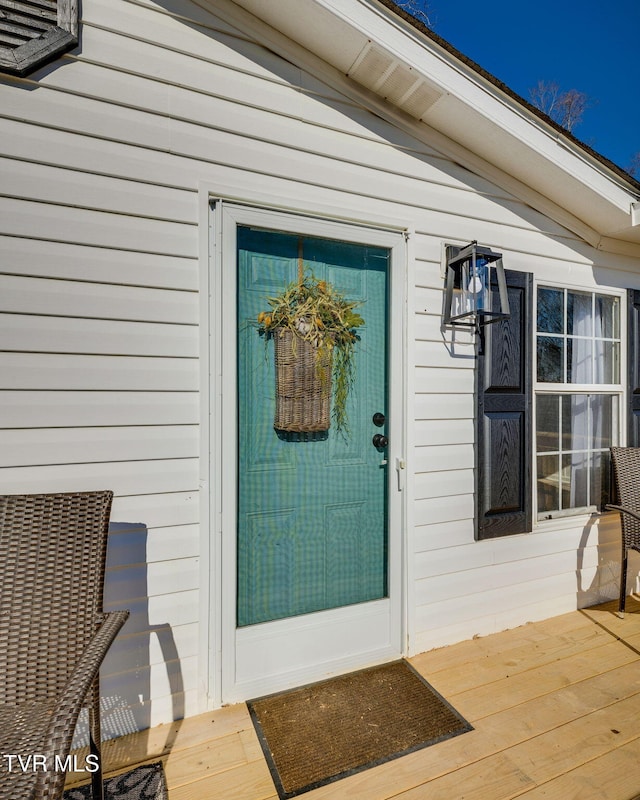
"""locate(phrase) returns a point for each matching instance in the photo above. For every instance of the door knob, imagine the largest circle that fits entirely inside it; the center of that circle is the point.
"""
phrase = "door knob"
(379, 440)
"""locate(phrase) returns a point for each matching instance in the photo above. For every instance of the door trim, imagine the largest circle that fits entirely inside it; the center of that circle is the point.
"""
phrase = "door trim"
(223, 683)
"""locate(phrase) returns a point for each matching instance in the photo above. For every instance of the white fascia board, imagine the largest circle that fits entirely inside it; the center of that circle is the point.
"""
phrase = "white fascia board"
(519, 143)
(462, 82)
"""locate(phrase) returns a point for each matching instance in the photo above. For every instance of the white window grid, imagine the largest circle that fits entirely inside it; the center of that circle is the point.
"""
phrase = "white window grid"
(567, 388)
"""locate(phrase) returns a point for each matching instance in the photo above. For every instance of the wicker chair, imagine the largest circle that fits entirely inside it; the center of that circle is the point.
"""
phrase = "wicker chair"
(626, 470)
(53, 635)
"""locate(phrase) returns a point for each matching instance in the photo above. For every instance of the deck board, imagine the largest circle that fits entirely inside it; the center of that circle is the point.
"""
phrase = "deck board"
(614, 775)
(485, 700)
(554, 705)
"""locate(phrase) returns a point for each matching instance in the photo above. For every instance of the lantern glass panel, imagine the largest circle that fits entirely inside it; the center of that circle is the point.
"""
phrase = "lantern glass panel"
(475, 283)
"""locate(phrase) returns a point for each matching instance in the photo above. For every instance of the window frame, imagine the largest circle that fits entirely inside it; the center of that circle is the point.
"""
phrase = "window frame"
(570, 389)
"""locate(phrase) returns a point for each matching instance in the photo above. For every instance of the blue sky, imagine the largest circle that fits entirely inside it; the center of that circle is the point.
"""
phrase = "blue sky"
(590, 46)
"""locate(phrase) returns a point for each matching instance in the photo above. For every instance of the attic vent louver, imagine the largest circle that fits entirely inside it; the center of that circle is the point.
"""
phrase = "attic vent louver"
(33, 32)
(390, 78)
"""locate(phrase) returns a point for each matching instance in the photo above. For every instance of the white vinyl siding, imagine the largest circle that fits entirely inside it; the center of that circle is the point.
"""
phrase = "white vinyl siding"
(100, 315)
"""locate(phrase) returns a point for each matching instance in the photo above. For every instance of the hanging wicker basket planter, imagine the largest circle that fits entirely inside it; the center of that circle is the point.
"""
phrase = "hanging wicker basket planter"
(314, 331)
(303, 384)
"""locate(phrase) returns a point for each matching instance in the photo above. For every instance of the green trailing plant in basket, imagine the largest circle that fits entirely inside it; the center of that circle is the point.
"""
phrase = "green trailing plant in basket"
(316, 312)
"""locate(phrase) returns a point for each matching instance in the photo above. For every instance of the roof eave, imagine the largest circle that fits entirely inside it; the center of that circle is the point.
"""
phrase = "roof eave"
(463, 103)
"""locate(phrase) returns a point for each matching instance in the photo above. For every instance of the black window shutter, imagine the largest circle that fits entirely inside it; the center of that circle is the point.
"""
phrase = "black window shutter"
(503, 417)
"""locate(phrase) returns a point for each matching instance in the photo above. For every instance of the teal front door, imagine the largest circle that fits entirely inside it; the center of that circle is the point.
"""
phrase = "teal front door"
(312, 532)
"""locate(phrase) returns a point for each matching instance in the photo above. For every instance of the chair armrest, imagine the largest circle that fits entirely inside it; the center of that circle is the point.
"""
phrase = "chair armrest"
(68, 706)
(623, 510)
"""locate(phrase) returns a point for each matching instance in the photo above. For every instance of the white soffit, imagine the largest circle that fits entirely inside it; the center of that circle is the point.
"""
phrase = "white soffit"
(387, 56)
(391, 79)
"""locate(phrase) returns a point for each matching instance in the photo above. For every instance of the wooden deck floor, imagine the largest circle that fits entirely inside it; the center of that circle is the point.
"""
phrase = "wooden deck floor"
(555, 706)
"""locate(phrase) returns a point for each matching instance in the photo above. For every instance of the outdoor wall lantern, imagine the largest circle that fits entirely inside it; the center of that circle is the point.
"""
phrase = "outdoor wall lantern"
(471, 272)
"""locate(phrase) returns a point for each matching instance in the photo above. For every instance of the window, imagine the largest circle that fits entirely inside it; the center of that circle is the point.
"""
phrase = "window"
(556, 385)
(578, 398)
(33, 32)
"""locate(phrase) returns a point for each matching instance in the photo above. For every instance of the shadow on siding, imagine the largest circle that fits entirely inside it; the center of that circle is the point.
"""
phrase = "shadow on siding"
(600, 583)
(127, 673)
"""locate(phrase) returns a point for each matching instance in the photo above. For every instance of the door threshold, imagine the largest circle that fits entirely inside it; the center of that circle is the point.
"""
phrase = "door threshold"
(251, 690)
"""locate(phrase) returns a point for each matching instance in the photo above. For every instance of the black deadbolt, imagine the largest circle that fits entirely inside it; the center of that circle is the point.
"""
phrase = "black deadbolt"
(379, 440)
(379, 419)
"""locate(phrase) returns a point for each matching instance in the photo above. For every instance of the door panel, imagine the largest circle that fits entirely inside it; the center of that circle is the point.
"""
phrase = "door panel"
(312, 510)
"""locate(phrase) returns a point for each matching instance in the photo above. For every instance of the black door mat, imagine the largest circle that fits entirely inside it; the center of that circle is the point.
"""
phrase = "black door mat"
(328, 730)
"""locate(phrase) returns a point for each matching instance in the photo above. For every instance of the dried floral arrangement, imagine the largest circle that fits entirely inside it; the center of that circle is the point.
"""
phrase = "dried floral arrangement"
(315, 312)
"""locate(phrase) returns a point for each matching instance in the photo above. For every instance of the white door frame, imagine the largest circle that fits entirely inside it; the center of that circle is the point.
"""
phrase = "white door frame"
(223, 684)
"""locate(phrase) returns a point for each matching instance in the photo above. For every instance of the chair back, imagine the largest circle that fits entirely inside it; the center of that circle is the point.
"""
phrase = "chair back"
(52, 564)
(626, 470)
